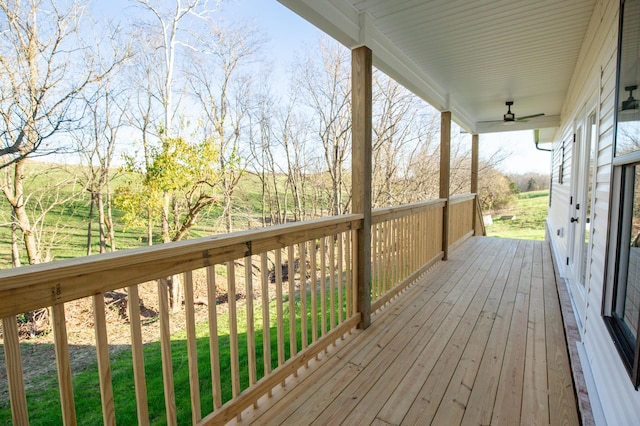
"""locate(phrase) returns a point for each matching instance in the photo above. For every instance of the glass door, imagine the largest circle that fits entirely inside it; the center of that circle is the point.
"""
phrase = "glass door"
(580, 221)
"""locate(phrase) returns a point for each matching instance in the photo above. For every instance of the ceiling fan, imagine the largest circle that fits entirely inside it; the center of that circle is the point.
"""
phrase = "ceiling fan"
(510, 118)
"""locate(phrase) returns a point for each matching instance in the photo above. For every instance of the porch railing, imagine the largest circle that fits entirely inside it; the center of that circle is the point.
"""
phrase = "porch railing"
(304, 276)
(405, 241)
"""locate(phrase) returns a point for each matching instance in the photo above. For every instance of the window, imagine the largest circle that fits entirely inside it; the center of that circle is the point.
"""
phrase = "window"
(624, 300)
(621, 305)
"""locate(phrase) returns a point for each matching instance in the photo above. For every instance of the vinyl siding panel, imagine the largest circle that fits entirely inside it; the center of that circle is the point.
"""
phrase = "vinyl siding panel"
(596, 75)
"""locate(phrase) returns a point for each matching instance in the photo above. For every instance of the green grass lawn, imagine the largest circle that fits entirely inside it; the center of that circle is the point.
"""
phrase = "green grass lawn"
(44, 405)
(530, 211)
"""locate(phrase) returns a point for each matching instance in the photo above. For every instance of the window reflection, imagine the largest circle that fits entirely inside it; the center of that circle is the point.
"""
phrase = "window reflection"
(627, 302)
(628, 137)
(628, 131)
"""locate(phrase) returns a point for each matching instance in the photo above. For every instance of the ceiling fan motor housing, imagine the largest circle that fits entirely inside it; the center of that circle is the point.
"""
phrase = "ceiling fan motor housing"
(509, 116)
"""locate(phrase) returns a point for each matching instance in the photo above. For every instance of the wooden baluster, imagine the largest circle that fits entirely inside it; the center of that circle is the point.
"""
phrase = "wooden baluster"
(292, 301)
(279, 307)
(340, 278)
(266, 322)
(192, 352)
(62, 363)
(214, 353)
(348, 272)
(15, 377)
(374, 261)
(332, 284)
(104, 366)
(233, 329)
(251, 335)
(142, 404)
(323, 284)
(354, 268)
(406, 247)
(314, 291)
(165, 349)
(396, 255)
(387, 246)
(380, 259)
(302, 252)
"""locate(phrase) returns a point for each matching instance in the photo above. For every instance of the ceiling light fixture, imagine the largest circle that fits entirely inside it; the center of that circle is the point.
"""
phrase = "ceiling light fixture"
(631, 103)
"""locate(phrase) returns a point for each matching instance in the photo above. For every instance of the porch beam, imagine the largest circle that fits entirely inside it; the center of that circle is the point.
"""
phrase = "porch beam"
(474, 180)
(361, 72)
(445, 170)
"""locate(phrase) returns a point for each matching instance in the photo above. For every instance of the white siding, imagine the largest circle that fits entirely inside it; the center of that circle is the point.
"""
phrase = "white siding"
(596, 71)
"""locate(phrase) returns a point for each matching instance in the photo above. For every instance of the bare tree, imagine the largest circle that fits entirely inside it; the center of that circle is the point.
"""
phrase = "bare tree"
(44, 68)
(144, 114)
(394, 137)
(421, 175)
(97, 145)
(326, 89)
(171, 23)
(221, 85)
(262, 147)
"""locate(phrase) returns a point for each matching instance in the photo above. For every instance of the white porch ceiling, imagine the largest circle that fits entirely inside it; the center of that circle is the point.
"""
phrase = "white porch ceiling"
(467, 56)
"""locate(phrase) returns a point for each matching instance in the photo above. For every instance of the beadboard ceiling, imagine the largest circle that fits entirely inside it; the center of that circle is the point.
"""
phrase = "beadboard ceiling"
(467, 56)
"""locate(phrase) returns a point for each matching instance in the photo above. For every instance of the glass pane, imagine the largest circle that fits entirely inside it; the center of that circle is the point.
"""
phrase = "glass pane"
(590, 150)
(628, 131)
(627, 307)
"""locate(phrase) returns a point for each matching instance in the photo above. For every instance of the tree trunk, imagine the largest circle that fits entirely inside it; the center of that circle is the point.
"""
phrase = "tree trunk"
(109, 219)
(101, 220)
(165, 217)
(227, 210)
(149, 227)
(24, 223)
(90, 223)
(15, 250)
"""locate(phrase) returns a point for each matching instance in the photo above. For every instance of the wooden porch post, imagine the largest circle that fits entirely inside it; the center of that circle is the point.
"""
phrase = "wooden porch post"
(474, 180)
(361, 69)
(445, 166)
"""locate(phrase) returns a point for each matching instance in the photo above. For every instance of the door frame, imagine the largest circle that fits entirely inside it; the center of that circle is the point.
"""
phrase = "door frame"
(583, 166)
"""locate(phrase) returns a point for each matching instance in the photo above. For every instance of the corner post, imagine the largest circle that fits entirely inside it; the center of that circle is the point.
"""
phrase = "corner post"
(474, 181)
(445, 166)
(361, 78)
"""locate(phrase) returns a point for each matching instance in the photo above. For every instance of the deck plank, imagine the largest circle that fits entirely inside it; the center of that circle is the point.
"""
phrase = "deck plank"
(429, 399)
(479, 409)
(456, 399)
(477, 340)
(508, 405)
(360, 352)
(401, 399)
(432, 336)
(562, 400)
(535, 402)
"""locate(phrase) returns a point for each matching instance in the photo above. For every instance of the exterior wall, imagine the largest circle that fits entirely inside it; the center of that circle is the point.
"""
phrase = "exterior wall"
(593, 84)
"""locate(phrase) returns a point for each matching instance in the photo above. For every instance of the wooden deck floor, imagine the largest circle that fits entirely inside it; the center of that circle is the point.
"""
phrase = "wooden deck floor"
(479, 340)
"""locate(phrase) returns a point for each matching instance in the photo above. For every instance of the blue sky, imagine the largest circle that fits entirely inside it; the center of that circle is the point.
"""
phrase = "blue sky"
(287, 33)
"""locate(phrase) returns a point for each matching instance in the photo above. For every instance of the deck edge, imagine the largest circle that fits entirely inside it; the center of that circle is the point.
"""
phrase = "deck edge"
(572, 338)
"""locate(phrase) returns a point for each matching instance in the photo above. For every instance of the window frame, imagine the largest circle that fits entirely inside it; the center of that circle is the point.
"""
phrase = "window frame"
(618, 233)
(628, 350)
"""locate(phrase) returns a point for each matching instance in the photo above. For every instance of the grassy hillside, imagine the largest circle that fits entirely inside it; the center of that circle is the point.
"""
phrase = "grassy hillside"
(64, 231)
(530, 212)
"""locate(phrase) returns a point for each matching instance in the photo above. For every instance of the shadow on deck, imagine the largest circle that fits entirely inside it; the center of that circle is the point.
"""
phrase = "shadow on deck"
(477, 340)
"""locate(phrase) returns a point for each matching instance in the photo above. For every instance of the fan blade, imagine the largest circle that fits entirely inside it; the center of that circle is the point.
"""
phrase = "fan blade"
(491, 123)
(526, 117)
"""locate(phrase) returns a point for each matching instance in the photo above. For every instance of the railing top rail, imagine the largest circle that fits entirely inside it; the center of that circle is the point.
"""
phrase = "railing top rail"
(36, 286)
(380, 215)
(461, 198)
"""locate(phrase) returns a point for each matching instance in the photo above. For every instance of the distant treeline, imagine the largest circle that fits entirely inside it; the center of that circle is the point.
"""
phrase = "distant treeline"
(530, 181)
